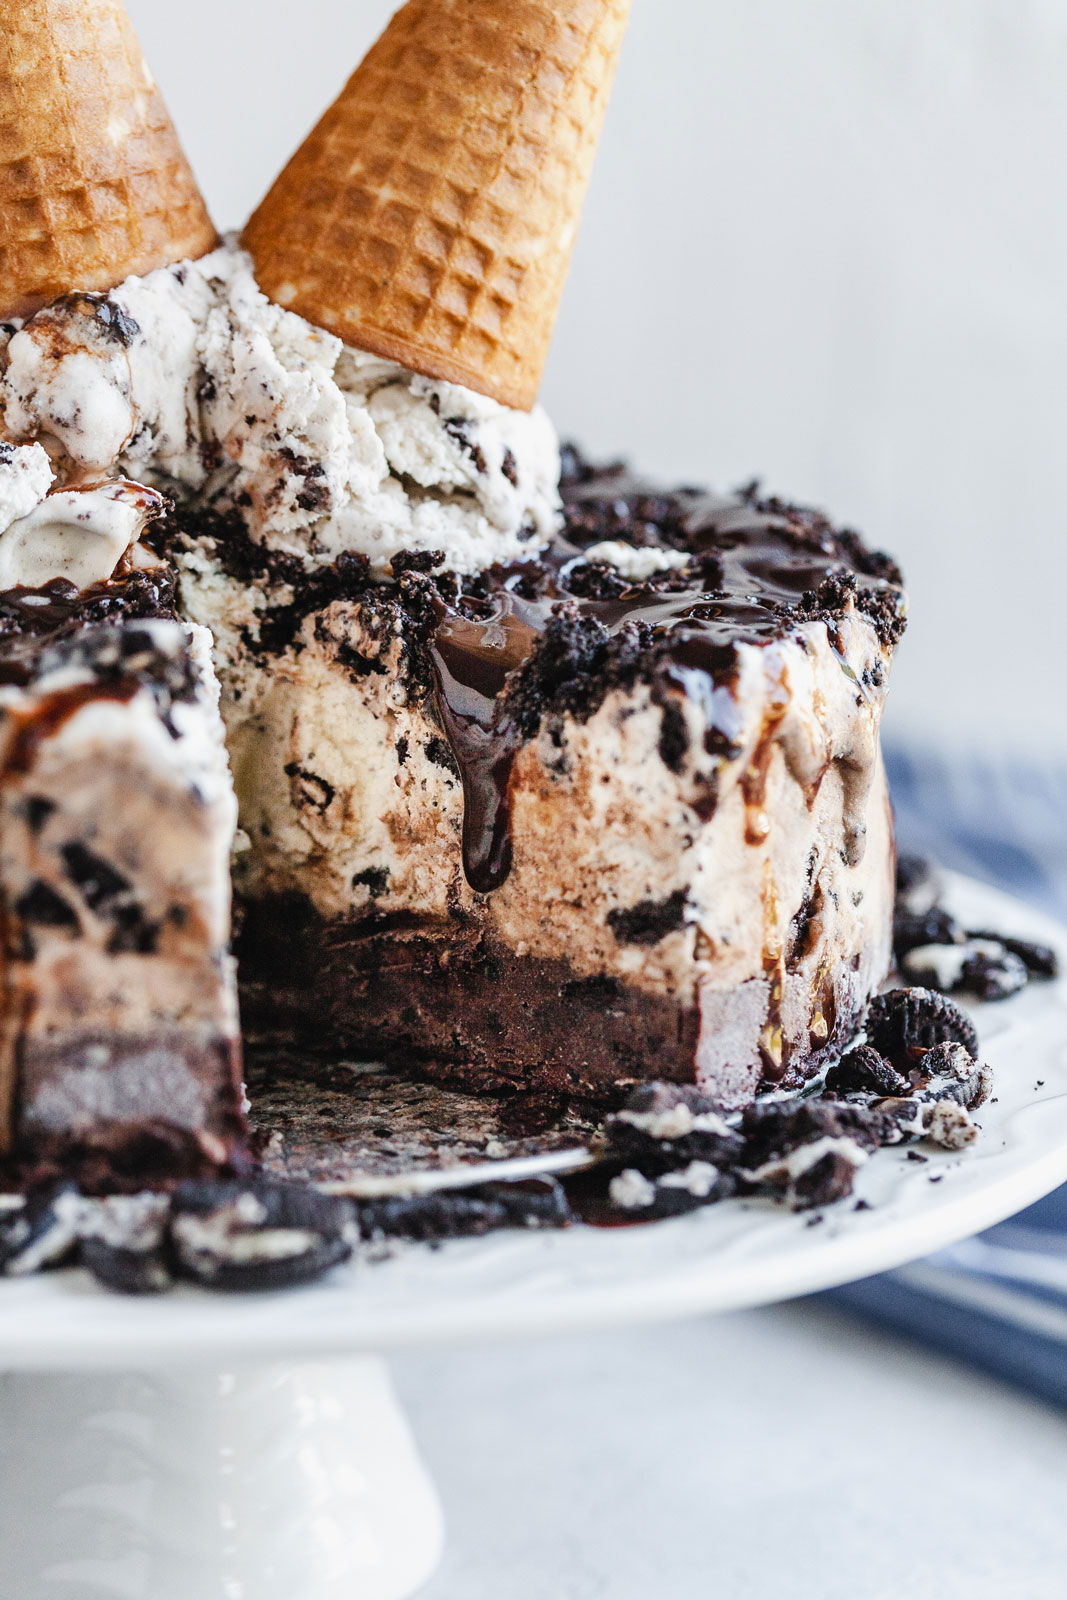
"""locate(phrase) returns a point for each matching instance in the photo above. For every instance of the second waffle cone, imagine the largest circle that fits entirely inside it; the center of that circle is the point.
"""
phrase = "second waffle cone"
(431, 214)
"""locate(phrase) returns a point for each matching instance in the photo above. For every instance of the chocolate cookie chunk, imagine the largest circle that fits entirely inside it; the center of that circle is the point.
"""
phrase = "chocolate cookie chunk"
(636, 1198)
(903, 1024)
(993, 975)
(125, 1243)
(950, 1072)
(913, 930)
(664, 1126)
(1040, 960)
(864, 1071)
(454, 1214)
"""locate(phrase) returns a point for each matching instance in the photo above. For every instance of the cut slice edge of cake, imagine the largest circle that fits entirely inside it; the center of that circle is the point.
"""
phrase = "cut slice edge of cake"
(120, 1053)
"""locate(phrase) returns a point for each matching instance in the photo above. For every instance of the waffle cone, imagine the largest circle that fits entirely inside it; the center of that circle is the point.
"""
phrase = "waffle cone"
(431, 214)
(93, 181)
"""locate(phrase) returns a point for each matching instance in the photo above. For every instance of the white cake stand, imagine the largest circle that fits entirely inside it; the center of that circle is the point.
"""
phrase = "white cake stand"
(249, 1448)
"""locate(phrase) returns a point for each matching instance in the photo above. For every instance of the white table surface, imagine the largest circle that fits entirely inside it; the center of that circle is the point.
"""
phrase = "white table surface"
(787, 1454)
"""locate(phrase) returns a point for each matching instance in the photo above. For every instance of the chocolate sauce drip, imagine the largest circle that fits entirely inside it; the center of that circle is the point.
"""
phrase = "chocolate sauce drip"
(59, 625)
(30, 619)
(520, 638)
(472, 659)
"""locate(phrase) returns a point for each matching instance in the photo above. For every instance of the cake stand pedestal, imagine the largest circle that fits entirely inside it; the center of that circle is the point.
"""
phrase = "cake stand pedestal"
(288, 1481)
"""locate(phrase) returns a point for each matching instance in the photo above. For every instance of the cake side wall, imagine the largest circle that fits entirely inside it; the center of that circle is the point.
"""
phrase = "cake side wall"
(355, 812)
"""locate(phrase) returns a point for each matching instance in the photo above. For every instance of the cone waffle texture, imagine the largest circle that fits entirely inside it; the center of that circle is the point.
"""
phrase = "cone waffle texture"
(431, 214)
(93, 182)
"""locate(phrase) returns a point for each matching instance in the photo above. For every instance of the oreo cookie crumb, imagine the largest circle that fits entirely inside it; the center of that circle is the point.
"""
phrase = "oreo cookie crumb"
(950, 1125)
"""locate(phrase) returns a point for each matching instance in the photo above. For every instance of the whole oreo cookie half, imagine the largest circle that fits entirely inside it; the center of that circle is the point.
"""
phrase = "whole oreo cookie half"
(903, 1024)
(259, 1234)
(125, 1243)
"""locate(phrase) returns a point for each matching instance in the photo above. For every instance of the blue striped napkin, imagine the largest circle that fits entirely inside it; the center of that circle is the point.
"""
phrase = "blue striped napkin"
(999, 1300)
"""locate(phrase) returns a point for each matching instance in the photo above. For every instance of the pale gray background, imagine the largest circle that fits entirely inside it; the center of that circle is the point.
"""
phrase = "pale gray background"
(826, 243)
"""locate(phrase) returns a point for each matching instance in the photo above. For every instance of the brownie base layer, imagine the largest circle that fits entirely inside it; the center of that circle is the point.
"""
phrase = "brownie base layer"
(112, 1112)
(479, 1017)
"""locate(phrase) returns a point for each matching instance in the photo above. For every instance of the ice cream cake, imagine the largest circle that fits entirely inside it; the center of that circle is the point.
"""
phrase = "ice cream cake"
(554, 824)
(548, 778)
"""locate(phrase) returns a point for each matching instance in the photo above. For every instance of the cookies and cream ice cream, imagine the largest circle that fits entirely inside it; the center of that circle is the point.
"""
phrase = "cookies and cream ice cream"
(191, 379)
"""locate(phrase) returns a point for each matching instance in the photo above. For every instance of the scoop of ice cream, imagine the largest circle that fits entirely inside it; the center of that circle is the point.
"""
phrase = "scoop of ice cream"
(636, 562)
(25, 479)
(191, 378)
(110, 378)
(329, 450)
(78, 534)
(68, 382)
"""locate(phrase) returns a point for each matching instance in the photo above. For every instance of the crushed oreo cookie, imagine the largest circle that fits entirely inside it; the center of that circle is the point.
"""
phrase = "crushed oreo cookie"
(41, 1233)
(916, 1077)
(671, 1194)
(450, 1214)
(950, 1072)
(665, 1126)
(992, 972)
(125, 1243)
(863, 1070)
(258, 1235)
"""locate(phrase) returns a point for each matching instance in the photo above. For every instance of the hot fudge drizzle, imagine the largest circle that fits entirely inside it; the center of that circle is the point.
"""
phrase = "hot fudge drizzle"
(503, 644)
